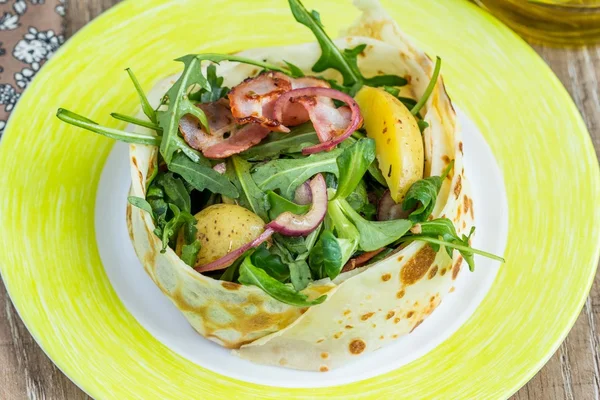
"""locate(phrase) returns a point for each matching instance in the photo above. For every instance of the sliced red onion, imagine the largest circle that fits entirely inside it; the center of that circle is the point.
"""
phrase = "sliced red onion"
(388, 209)
(303, 194)
(361, 260)
(220, 168)
(289, 224)
(308, 97)
(230, 257)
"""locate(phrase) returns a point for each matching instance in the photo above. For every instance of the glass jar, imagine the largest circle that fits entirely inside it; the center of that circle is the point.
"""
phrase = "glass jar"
(558, 22)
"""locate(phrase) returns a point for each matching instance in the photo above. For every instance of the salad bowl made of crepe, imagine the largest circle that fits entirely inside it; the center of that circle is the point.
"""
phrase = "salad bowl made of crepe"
(301, 205)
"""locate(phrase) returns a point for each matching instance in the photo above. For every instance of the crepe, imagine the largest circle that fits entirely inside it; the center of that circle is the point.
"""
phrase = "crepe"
(366, 308)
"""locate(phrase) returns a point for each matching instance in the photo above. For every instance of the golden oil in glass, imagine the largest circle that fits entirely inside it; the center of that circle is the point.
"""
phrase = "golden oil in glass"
(557, 22)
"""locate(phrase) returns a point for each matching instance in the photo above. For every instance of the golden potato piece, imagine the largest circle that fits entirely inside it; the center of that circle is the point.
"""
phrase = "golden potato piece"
(398, 141)
(223, 228)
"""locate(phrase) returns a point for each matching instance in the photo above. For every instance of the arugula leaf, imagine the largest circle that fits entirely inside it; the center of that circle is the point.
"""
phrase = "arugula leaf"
(277, 143)
(140, 203)
(424, 192)
(431, 231)
(280, 205)
(189, 252)
(465, 250)
(373, 168)
(271, 263)
(375, 234)
(251, 196)
(331, 57)
(128, 137)
(408, 102)
(351, 56)
(160, 208)
(444, 228)
(136, 121)
(202, 176)
(216, 91)
(179, 103)
(392, 90)
(146, 107)
(251, 275)
(175, 190)
(326, 257)
(352, 165)
(172, 227)
(434, 78)
(295, 72)
(287, 174)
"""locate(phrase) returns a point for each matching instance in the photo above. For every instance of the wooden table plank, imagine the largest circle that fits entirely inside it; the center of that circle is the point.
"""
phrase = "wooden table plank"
(572, 373)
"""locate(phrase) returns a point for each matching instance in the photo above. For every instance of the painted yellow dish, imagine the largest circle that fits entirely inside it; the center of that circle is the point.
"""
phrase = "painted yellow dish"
(397, 137)
(49, 258)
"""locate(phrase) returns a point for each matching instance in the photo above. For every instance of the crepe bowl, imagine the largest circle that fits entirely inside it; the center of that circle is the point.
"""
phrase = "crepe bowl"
(366, 308)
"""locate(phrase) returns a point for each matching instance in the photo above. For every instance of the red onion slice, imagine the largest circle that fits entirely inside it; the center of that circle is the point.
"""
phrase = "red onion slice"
(289, 224)
(323, 115)
(388, 209)
(230, 257)
(303, 194)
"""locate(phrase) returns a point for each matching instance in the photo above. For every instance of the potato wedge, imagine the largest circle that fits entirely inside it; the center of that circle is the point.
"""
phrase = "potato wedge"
(398, 140)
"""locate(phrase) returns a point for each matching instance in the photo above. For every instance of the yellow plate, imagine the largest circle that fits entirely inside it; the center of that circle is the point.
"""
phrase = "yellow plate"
(49, 173)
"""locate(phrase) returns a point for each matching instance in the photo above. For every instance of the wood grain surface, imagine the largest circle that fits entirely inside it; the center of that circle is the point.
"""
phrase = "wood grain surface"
(573, 372)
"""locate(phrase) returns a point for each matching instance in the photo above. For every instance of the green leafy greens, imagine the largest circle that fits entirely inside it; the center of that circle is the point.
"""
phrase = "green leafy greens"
(202, 176)
(278, 143)
(424, 192)
(375, 234)
(352, 165)
(326, 257)
(345, 62)
(251, 196)
(252, 275)
(287, 174)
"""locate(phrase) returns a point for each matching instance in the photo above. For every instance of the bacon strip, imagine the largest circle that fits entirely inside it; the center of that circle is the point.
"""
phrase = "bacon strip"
(240, 140)
(332, 124)
(272, 101)
(252, 100)
(220, 121)
(361, 260)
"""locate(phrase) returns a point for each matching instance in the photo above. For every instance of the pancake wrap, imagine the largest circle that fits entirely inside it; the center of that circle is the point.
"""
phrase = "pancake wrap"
(366, 308)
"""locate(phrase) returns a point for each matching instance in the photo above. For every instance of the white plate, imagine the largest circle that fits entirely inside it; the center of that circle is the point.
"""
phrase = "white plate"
(164, 321)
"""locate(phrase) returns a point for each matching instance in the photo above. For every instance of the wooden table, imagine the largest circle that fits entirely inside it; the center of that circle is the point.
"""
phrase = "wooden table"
(573, 373)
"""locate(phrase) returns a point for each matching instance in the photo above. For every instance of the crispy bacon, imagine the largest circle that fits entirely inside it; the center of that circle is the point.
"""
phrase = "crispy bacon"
(272, 101)
(240, 140)
(294, 113)
(332, 124)
(252, 100)
(220, 121)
